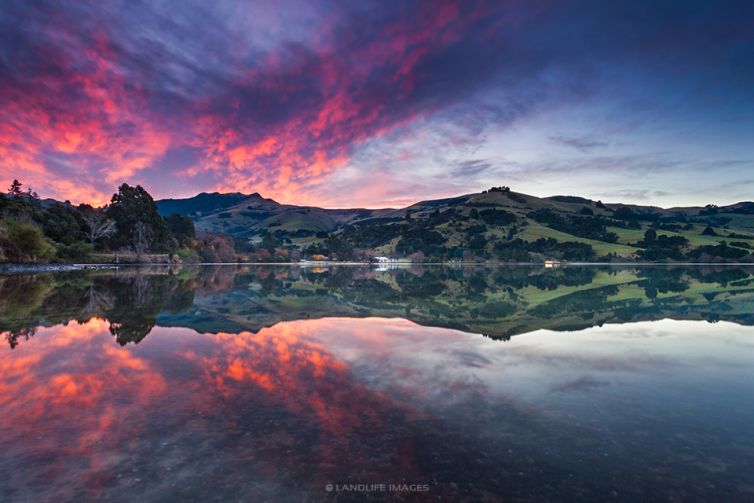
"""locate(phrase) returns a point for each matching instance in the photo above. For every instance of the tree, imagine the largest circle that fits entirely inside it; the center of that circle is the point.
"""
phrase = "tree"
(62, 223)
(99, 226)
(497, 217)
(650, 236)
(216, 247)
(340, 247)
(269, 243)
(141, 238)
(131, 206)
(477, 242)
(625, 213)
(710, 209)
(15, 188)
(263, 255)
(182, 227)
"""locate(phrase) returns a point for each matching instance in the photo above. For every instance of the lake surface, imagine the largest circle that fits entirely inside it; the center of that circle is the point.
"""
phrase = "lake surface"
(355, 384)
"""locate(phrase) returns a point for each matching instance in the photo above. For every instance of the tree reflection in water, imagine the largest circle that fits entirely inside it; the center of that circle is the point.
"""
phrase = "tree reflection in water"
(499, 302)
(262, 383)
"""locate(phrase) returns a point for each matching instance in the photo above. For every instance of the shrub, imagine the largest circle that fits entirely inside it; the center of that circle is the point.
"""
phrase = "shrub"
(721, 251)
(477, 242)
(188, 256)
(497, 217)
(75, 250)
(740, 244)
(585, 227)
(25, 242)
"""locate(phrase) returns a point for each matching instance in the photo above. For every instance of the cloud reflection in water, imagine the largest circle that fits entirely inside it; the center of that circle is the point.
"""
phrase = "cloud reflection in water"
(279, 413)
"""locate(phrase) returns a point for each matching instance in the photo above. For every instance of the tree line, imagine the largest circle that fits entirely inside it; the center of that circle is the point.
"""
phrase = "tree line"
(129, 228)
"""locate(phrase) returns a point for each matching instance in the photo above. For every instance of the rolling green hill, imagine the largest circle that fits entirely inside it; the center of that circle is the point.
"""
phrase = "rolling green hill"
(497, 224)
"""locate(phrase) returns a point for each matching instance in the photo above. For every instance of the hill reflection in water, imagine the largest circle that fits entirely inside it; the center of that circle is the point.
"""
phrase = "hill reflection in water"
(497, 302)
(268, 384)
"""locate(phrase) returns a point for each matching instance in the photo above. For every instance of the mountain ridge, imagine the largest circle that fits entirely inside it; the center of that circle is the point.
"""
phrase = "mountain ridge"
(164, 205)
(493, 224)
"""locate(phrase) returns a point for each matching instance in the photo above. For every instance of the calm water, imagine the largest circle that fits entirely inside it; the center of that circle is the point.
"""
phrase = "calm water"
(354, 384)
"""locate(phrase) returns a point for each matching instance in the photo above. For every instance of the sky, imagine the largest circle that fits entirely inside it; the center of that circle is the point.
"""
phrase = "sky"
(384, 103)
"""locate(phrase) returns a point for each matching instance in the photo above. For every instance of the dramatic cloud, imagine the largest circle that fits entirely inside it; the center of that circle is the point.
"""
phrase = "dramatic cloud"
(328, 103)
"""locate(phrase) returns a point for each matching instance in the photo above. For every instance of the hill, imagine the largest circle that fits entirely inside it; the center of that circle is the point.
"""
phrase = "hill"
(494, 225)
(244, 215)
(497, 224)
(201, 204)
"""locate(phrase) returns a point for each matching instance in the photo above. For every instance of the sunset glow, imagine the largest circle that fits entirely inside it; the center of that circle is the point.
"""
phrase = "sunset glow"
(329, 104)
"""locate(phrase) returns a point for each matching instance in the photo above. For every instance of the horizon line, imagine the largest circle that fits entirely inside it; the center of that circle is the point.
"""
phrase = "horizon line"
(400, 205)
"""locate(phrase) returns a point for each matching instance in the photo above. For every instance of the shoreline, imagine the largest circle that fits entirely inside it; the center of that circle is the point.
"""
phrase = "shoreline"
(36, 268)
(42, 268)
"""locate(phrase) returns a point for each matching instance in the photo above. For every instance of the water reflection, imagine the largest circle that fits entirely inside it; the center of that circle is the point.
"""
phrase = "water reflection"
(499, 303)
(267, 384)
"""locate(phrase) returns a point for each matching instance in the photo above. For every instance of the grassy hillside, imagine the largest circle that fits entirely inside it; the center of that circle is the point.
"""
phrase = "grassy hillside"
(508, 226)
(492, 225)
